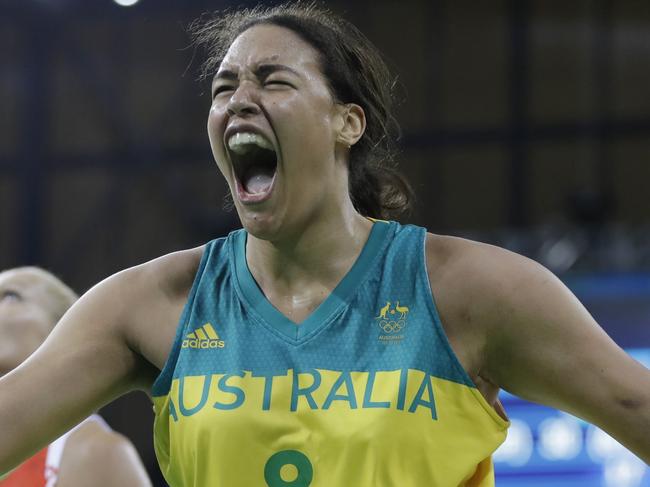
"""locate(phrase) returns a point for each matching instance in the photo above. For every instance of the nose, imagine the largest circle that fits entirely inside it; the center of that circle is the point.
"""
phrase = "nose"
(242, 101)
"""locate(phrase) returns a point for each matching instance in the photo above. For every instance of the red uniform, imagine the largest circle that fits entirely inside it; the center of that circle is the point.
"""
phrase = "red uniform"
(42, 470)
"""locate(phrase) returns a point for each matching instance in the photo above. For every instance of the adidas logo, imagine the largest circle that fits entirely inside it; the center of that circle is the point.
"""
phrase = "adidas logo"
(204, 337)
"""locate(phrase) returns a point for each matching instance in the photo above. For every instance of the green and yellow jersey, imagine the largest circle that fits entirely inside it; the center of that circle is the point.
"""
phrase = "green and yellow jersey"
(366, 392)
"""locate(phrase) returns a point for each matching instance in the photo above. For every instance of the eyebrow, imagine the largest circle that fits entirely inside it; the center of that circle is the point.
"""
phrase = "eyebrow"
(264, 70)
(225, 74)
(261, 71)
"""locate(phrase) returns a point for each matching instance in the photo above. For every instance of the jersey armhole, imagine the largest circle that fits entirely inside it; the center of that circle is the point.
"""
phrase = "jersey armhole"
(423, 275)
(162, 383)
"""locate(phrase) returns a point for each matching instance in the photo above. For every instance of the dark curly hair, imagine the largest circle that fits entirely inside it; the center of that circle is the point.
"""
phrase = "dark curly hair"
(356, 73)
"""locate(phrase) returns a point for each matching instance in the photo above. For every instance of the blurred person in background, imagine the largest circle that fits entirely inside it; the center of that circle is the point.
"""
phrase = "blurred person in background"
(31, 302)
(307, 348)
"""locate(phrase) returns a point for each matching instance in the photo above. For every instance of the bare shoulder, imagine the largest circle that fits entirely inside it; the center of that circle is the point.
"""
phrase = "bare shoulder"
(94, 455)
(121, 295)
(158, 291)
(140, 308)
(170, 274)
(477, 274)
(472, 283)
(175, 272)
(455, 254)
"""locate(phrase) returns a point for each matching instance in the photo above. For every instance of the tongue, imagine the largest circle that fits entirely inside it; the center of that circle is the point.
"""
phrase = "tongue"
(258, 180)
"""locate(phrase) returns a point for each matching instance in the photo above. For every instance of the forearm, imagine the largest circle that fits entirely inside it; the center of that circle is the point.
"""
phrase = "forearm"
(630, 421)
(47, 395)
(25, 429)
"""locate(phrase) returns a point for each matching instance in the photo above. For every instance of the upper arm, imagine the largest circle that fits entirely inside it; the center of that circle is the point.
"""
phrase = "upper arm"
(84, 363)
(543, 345)
(102, 458)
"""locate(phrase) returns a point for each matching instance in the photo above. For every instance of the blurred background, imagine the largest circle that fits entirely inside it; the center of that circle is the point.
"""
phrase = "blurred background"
(526, 123)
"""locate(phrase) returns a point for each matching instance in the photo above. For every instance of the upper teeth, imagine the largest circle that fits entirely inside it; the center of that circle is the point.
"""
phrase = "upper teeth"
(241, 142)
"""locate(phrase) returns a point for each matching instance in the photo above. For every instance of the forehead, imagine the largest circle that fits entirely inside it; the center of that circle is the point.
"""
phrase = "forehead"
(20, 280)
(267, 43)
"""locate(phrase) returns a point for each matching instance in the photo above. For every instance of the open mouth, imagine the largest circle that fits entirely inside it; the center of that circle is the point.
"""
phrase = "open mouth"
(255, 162)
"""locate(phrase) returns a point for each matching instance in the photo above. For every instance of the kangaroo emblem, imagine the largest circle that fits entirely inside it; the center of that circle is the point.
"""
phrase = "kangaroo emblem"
(384, 310)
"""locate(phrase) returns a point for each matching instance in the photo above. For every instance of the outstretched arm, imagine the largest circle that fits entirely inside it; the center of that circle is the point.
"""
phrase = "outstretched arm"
(543, 345)
(84, 363)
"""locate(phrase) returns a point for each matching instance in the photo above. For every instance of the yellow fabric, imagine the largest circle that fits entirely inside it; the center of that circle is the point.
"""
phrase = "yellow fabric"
(359, 437)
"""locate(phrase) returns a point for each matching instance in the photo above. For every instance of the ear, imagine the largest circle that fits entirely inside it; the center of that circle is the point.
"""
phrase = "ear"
(353, 124)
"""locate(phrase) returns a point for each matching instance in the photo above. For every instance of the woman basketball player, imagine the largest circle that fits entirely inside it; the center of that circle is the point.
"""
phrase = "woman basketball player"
(321, 345)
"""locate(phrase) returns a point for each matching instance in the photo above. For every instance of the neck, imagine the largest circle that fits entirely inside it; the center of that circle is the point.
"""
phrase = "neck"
(321, 252)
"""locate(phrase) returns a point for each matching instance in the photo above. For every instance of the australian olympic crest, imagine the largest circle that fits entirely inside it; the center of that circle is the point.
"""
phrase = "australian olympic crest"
(392, 318)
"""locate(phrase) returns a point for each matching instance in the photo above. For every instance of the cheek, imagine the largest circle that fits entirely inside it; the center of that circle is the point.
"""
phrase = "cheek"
(216, 121)
(308, 127)
(216, 127)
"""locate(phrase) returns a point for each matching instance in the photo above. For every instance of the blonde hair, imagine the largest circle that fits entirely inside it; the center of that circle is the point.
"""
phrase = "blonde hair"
(61, 295)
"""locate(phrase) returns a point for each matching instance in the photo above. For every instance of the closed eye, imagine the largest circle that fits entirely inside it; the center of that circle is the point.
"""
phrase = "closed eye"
(220, 89)
(278, 82)
(9, 295)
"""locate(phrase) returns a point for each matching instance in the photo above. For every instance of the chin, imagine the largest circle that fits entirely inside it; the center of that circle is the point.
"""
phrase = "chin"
(261, 225)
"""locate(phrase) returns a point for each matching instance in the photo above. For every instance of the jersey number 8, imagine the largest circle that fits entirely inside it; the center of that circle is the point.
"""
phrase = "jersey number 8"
(303, 473)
